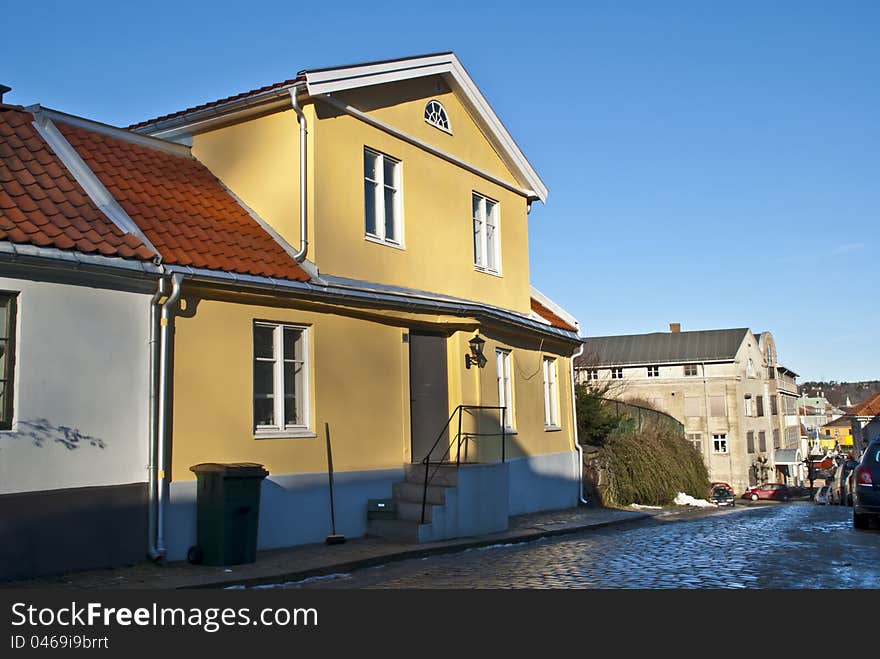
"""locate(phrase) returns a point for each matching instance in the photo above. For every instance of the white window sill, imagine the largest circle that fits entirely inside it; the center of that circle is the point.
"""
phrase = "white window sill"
(378, 241)
(284, 434)
(552, 428)
(486, 271)
(509, 431)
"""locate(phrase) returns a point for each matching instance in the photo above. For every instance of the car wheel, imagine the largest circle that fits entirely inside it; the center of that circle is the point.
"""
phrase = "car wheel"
(754, 497)
(860, 521)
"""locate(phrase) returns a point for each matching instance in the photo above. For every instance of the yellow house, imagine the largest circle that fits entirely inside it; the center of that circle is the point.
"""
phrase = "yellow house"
(404, 199)
(837, 433)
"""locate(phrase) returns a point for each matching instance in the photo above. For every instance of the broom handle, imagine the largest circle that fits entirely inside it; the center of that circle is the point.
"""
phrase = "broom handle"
(330, 475)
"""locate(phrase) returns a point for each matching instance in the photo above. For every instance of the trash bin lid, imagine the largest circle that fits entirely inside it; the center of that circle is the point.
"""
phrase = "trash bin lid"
(233, 470)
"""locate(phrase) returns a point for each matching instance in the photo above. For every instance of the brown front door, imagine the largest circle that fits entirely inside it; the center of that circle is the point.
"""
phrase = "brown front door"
(429, 402)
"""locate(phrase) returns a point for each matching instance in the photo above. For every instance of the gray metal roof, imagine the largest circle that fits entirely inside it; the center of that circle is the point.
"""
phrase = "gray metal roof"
(663, 347)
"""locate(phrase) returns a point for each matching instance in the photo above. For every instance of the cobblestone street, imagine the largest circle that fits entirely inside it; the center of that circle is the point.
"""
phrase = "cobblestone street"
(779, 546)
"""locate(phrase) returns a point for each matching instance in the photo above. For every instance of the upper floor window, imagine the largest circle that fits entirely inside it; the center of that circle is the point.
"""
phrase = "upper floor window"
(748, 410)
(690, 369)
(280, 378)
(719, 443)
(382, 205)
(7, 357)
(435, 114)
(617, 374)
(505, 384)
(487, 255)
(653, 371)
(750, 368)
(592, 374)
(551, 397)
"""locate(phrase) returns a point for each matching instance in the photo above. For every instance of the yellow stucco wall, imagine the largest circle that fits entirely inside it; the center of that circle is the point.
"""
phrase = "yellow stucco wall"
(359, 383)
(258, 160)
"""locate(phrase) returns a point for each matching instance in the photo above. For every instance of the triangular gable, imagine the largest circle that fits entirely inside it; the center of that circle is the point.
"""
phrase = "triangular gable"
(447, 65)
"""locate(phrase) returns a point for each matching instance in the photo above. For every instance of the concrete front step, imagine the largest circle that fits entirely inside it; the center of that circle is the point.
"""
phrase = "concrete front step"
(445, 475)
(406, 491)
(404, 530)
(412, 510)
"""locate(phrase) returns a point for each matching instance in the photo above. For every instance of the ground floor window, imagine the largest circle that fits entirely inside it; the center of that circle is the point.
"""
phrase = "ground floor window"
(505, 384)
(7, 357)
(696, 439)
(719, 443)
(551, 395)
(280, 377)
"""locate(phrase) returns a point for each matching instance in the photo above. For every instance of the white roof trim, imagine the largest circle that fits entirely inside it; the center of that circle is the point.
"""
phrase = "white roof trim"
(87, 179)
(555, 308)
(328, 81)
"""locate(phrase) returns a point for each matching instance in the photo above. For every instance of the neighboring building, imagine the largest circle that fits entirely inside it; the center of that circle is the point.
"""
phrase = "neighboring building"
(864, 420)
(737, 404)
(837, 435)
(371, 322)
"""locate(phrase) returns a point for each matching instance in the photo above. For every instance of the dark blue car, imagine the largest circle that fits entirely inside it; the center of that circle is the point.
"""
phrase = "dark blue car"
(866, 487)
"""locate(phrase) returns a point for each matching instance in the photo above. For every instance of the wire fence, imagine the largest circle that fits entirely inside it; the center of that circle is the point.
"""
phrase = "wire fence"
(641, 416)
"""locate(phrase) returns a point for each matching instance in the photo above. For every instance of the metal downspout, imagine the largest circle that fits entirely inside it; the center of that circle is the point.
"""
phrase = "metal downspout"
(154, 380)
(303, 178)
(577, 445)
(164, 403)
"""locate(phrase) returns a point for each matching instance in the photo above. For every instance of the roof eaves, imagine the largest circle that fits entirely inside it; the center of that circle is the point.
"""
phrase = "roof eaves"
(83, 174)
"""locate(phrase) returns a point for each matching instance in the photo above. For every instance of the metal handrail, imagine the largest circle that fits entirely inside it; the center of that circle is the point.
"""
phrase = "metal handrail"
(458, 439)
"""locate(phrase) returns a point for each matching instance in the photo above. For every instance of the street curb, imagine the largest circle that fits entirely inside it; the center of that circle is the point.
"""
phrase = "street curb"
(393, 557)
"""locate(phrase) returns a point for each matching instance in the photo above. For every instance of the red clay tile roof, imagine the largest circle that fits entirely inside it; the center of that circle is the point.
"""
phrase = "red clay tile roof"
(205, 106)
(870, 407)
(42, 204)
(551, 317)
(182, 208)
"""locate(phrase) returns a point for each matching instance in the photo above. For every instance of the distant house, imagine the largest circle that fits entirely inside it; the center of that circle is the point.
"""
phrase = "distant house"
(837, 434)
(737, 403)
(864, 421)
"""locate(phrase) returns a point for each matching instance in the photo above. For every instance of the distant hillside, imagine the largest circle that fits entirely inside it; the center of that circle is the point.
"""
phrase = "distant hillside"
(837, 392)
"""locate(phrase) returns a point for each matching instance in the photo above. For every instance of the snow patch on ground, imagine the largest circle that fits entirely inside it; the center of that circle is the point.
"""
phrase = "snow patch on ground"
(682, 499)
(641, 507)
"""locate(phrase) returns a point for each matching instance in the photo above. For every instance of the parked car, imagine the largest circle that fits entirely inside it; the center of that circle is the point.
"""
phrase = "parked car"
(769, 491)
(866, 490)
(722, 495)
(842, 494)
(850, 482)
(822, 495)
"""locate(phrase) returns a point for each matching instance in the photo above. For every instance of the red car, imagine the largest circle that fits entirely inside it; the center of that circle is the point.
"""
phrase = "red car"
(770, 491)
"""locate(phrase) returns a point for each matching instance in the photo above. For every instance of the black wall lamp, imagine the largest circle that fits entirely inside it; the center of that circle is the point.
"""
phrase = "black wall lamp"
(476, 357)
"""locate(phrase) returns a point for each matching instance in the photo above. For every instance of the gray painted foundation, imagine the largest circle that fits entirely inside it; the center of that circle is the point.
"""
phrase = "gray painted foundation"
(294, 508)
(58, 531)
(543, 482)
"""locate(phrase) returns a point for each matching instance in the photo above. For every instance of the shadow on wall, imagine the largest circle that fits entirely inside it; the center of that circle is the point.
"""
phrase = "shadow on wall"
(41, 432)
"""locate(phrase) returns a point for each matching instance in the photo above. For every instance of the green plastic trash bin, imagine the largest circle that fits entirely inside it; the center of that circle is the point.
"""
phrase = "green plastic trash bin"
(227, 512)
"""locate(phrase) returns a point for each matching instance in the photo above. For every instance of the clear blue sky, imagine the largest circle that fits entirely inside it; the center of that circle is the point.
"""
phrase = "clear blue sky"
(713, 164)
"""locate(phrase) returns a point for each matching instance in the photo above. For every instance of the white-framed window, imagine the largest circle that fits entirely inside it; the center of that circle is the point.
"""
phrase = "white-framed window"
(748, 408)
(653, 371)
(696, 439)
(750, 368)
(281, 378)
(504, 371)
(719, 443)
(592, 374)
(617, 374)
(551, 393)
(690, 370)
(383, 221)
(487, 252)
(435, 114)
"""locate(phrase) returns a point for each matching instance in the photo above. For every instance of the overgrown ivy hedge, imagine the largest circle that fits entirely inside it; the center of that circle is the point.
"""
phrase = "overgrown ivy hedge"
(647, 467)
